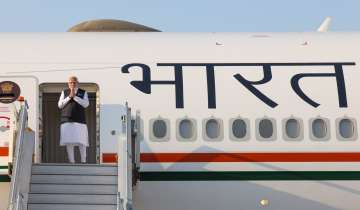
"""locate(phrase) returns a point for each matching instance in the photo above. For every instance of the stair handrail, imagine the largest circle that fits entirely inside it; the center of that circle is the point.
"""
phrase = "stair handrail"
(22, 160)
(124, 200)
(20, 133)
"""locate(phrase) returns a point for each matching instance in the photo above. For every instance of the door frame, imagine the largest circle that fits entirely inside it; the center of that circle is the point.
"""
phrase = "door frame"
(57, 88)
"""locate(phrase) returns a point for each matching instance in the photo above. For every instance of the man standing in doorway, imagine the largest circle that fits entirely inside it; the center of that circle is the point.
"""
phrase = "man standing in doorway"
(73, 129)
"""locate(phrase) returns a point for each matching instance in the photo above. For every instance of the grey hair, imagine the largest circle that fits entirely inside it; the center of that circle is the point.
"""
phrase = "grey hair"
(73, 78)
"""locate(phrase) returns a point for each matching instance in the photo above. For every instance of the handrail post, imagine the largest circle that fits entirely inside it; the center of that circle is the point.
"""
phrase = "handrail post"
(138, 136)
(124, 162)
(24, 147)
(128, 154)
(16, 168)
(121, 161)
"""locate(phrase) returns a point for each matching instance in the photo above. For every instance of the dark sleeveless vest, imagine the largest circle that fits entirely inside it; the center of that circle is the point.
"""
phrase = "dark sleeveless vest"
(72, 111)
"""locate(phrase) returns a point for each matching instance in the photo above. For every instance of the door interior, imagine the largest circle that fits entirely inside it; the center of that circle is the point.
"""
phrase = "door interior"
(52, 152)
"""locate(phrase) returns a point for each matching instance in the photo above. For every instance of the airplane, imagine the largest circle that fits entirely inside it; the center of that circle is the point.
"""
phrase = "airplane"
(184, 120)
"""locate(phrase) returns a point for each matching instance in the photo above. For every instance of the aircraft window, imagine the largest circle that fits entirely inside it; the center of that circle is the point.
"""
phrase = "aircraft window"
(213, 129)
(159, 129)
(346, 129)
(186, 129)
(239, 129)
(266, 129)
(320, 129)
(292, 128)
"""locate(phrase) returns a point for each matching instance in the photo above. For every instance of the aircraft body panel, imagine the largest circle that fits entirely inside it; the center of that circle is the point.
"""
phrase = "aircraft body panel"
(223, 76)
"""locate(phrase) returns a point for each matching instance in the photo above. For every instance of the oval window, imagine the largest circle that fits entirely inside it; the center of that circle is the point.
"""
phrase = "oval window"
(212, 129)
(186, 129)
(239, 128)
(347, 128)
(159, 129)
(319, 128)
(266, 128)
(292, 128)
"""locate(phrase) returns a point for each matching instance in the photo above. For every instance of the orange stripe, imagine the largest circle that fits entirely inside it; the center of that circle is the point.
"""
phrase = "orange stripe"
(244, 157)
(109, 157)
(4, 151)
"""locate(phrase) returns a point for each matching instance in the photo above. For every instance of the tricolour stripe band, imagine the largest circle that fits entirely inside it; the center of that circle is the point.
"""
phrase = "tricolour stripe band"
(253, 166)
(4, 151)
(244, 157)
(4, 178)
(250, 176)
(243, 176)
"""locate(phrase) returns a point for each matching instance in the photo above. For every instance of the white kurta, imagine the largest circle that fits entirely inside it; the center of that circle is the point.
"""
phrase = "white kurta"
(72, 132)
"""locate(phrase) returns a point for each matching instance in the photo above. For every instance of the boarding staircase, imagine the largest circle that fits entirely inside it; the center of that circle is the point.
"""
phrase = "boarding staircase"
(74, 186)
(68, 187)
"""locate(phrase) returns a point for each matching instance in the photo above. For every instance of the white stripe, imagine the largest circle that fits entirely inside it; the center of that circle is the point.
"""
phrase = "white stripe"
(263, 166)
(3, 172)
(4, 160)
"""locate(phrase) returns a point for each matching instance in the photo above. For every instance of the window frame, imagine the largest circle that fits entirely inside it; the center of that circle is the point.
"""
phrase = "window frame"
(151, 130)
(257, 131)
(248, 131)
(301, 127)
(338, 134)
(221, 130)
(178, 135)
(328, 127)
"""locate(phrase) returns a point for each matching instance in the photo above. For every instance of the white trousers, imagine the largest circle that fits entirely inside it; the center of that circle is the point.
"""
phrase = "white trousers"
(70, 151)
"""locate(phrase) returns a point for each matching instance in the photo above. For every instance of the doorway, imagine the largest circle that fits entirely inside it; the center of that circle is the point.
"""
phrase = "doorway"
(51, 151)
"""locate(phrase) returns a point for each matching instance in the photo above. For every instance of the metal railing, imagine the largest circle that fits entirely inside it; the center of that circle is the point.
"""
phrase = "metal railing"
(124, 195)
(22, 162)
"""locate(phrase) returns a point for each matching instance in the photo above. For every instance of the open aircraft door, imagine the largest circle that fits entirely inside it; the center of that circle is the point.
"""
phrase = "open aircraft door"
(11, 88)
(128, 159)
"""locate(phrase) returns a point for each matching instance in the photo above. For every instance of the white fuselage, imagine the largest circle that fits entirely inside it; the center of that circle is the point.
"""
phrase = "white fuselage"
(211, 66)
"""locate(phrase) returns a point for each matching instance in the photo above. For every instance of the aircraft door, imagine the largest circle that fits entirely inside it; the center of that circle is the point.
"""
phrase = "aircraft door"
(52, 152)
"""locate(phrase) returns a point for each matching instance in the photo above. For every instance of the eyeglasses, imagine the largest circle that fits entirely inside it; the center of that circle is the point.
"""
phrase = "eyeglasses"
(72, 82)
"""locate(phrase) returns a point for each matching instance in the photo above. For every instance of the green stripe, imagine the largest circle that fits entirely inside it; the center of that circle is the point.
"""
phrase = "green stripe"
(242, 176)
(249, 175)
(3, 167)
(4, 178)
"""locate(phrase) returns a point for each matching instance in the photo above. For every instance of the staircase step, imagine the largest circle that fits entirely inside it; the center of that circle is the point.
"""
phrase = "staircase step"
(71, 199)
(73, 179)
(70, 207)
(73, 188)
(75, 169)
